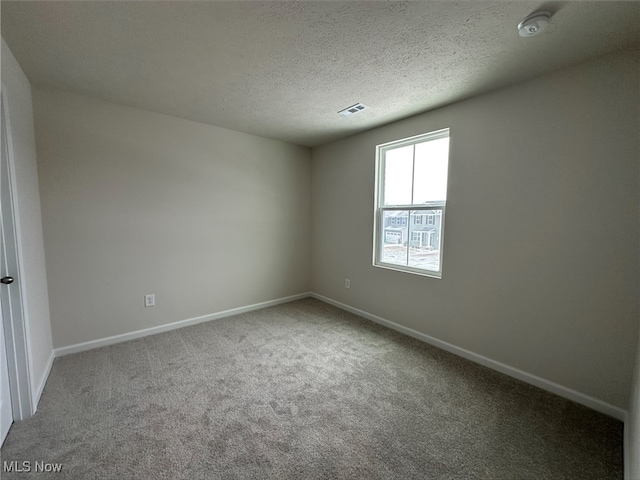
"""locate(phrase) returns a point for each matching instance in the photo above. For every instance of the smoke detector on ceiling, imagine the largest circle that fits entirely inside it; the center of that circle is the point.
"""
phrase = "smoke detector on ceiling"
(357, 108)
(533, 24)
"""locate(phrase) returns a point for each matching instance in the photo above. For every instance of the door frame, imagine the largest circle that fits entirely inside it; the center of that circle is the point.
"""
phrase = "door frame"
(15, 331)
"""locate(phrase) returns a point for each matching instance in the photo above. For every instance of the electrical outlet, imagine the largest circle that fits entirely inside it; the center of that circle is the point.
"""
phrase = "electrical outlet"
(150, 300)
(347, 283)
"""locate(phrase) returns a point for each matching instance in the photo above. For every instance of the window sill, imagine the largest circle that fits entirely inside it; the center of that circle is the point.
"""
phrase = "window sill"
(413, 271)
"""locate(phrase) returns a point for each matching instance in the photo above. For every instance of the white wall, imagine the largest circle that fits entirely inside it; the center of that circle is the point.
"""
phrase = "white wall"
(17, 88)
(541, 240)
(136, 202)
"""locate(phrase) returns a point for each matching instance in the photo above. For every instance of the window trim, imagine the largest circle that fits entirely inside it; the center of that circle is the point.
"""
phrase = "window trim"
(379, 209)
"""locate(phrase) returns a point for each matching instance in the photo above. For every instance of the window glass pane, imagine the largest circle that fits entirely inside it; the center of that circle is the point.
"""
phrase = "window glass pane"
(393, 241)
(430, 180)
(424, 247)
(398, 172)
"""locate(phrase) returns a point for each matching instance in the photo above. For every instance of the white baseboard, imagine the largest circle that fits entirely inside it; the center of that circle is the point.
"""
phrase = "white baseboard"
(35, 398)
(102, 342)
(540, 382)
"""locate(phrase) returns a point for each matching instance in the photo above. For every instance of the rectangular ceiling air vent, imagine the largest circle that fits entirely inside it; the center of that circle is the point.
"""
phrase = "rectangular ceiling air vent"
(357, 108)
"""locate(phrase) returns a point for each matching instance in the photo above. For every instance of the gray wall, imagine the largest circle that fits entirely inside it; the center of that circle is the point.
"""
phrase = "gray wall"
(17, 89)
(541, 237)
(135, 202)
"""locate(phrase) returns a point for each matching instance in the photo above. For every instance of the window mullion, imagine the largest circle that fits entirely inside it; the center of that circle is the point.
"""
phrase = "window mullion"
(413, 174)
(413, 185)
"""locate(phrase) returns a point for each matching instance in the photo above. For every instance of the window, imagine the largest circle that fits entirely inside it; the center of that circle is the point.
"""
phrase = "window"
(411, 186)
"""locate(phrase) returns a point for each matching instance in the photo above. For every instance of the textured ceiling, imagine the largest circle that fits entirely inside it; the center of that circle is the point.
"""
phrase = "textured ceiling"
(284, 69)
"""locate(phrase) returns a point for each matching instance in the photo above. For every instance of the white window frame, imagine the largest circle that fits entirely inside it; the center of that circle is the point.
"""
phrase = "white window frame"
(379, 208)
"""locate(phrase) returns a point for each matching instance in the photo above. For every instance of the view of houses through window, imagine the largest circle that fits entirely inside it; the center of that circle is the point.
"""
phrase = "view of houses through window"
(411, 202)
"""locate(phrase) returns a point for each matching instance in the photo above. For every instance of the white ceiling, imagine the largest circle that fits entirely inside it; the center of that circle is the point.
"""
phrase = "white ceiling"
(284, 69)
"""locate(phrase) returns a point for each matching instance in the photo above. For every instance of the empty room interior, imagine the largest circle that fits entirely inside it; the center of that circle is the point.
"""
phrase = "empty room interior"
(351, 240)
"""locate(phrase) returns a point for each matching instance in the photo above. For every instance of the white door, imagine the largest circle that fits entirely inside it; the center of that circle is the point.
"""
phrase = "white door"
(15, 394)
(6, 411)
(6, 415)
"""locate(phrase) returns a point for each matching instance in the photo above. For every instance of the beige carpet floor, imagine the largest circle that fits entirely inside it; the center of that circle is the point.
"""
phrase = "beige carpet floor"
(303, 391)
